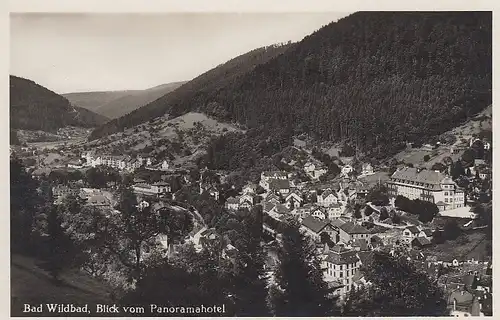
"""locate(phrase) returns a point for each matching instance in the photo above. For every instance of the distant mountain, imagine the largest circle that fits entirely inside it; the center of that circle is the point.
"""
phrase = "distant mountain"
(33, 107)
(114, 104)
(211, 81)
(374, 79)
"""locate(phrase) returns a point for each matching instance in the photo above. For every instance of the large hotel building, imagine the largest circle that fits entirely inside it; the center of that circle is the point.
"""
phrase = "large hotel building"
(427, 185)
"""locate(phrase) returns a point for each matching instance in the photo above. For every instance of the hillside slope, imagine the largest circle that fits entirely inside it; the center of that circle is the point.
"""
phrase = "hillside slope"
(33, 107)
(211, 81)
(114, 104)
(376, 79)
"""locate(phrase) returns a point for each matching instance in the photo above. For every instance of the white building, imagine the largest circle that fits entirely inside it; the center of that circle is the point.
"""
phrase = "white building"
(426, 185)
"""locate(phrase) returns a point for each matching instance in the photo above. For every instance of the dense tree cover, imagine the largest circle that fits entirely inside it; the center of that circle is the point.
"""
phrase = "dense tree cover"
(251, 151)
(401, 68)
(33, 107)
(99, 177)
(25, 204)
(208, 277)
(378, 195)
(425, 210)
(299, 288)
(396, 288)
(215, 79)
(485, 213)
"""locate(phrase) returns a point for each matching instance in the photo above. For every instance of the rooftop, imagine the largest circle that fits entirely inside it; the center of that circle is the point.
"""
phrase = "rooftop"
(314, 224)
(352, 228)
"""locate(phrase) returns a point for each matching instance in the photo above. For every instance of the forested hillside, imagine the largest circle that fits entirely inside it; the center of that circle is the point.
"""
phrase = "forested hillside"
(203, 86)
(114, 104)
(33, 107)
(375, 79)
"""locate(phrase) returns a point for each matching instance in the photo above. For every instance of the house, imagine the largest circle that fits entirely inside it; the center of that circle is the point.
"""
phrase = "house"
(279, 185)
(350, 231)
(250, 189)
(265, 176)
(314, 227)
(303, 211)
(273, 198)
(154, 189)
(247, 198)
(165, 165)
(427, 185)
(463, 303)
(210, 190)
(410, 233)
(319, 213)
(293, 200)
(340, 264)
(232, 203)
(268, 206)
(327, 198)
(314, 171)
(335, 211)
(426, 233)
(246, 205)
(346, 170)
(366, 169)
(278, 210)
(98, 201)
(420, 242)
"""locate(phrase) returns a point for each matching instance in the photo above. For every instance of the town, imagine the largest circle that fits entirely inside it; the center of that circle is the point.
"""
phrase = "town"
(431, 215)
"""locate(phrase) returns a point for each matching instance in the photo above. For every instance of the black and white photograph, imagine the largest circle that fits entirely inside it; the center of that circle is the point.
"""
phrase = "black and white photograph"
(251, 164)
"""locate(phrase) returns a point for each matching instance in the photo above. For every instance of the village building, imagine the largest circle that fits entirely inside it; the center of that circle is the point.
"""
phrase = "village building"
(314, 170)
(279, 185)
(350, 231)
(346, 170)
(293, 200)
(314, 227)
(426, 185)
(340, 264)
(232, 203)
(327, 198)
(154, 189)
(410, 233)
(366, 169)
(249, 189)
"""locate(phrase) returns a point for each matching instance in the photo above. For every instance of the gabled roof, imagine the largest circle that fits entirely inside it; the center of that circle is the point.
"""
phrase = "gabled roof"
(352, 228)
(268, 206)
(278, 184)
(314, 224)
(422, 241)
(427, 232)
(339, 255)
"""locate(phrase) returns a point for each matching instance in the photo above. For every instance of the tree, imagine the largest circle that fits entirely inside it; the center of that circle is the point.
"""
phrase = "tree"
(58, 244)
(468, 156)
(96, 178)
(438, 237)
(397, 289)
(325, 238)
(457, 170)
(383, 214)
(439, 167)
(25, 205)
(299, 289)
(427, 158)
(357, 212)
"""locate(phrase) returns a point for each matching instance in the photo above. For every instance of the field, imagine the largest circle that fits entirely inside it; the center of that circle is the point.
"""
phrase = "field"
(32, 285)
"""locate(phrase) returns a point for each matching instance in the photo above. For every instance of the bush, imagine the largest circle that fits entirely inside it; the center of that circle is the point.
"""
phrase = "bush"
(427, 157)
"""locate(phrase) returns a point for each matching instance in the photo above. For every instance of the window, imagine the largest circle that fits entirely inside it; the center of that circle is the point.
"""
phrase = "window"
(341, 274)
(446, 193)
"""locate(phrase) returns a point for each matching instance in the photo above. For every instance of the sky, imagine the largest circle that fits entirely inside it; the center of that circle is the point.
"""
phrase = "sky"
(100, 52)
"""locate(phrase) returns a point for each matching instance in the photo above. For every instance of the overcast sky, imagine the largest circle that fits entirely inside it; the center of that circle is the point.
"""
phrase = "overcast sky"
(98, 52)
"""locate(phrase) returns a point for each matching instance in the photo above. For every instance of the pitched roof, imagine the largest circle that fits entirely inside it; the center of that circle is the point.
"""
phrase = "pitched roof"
(268, 206)
(352, 228)
(422, 241)
(424, 176)
(427, 232)
(340, 255)
(314, 224)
